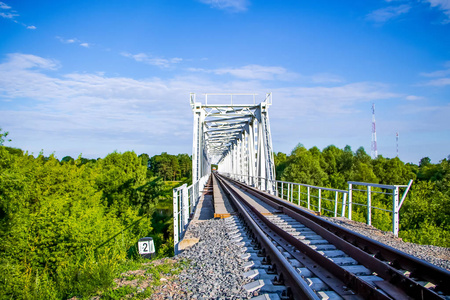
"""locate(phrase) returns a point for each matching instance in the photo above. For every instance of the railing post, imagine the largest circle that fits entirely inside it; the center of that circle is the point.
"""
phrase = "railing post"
(335, 203)
(184, 206)
(282, 190)
(395, 211)
(288, 192)
(190, 203)
(344, 204)
(320, 201)
(292, 193)
(299, 194)
(309, 197)
(369, 206)
(176, 236)
(349, 201)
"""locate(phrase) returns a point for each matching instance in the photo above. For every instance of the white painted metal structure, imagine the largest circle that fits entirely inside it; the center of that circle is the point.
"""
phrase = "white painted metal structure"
(234, 136)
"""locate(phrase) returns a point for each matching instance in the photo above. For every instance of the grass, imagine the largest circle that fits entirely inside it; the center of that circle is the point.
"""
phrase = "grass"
(140, 278)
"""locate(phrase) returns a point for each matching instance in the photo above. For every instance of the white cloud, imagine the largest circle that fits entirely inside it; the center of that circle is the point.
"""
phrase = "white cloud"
(443, 5)
(320, 100)
(8, 15)
(154, 61)
(18, 61)
(252, 72)
(5, 13)
(385, 14)
(4, 6)
(414, 98)
(229, 5)
(96, 114)
(91, 108)
(439, 73)
(439, 82)
(441, 76)
(326, 78)
(73, 41)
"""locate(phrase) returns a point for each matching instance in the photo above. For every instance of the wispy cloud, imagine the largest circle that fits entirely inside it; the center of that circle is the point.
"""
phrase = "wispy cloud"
(229, 5)
(385, 14)
(439, 73)
(152, 60)
(88, 108)
(326, 78)
(18, 61)
(341, 99)
(4, 6)
(253, 72)
(414, 98)
(73, 41)
(95, 113)
(7, 13)
(439, 82)
(442, 77)
(443, 5)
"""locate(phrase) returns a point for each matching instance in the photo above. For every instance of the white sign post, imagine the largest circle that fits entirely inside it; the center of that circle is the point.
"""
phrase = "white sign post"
(146, 247)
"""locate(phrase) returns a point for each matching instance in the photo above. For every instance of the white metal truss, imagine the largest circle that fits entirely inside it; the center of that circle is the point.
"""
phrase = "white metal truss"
(236, 137)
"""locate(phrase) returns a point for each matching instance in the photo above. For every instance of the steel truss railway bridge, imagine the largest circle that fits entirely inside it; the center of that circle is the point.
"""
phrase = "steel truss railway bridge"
(236, 138)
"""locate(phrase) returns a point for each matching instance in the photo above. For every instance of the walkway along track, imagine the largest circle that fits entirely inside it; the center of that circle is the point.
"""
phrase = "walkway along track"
(334, 262)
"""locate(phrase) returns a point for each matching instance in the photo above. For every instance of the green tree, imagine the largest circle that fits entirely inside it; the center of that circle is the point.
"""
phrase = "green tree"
(3, 137)
(303, 167)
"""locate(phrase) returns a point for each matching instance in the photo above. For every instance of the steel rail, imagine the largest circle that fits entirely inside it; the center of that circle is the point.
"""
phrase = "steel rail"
(397, 259)
(298, 288)
(343, 282)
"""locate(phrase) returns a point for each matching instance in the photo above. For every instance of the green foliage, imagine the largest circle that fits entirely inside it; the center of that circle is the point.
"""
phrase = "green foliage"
(427, 234)
(425, 214)
(303, 166)
(3, 136)
(66, 227)
(170, 167)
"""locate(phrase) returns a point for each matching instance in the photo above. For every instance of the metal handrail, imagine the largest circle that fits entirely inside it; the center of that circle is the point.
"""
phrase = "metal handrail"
(185, 200)
(285, 190)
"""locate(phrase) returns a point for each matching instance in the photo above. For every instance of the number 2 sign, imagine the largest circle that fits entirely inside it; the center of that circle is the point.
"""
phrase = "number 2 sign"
(146, 247)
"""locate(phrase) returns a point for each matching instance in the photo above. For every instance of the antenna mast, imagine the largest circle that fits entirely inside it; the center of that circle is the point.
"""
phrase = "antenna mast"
(374, 151)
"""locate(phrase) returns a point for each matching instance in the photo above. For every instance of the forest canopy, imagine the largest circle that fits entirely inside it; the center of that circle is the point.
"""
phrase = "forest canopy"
(425, 214)
(67, 226)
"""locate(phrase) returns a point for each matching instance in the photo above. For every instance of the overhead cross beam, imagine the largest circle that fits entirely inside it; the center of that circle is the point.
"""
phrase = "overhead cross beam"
(234, 136)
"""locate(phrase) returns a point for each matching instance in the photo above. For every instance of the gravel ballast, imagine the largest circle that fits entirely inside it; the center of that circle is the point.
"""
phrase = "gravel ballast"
(216, 270)
(438, 256)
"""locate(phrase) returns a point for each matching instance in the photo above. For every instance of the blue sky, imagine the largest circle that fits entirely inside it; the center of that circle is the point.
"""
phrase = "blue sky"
(92, 77)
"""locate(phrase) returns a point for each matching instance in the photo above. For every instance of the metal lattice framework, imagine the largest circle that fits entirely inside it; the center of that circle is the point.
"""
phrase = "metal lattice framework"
(236, 137)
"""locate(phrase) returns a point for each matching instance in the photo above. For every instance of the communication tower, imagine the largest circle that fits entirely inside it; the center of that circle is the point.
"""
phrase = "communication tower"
(374, 151)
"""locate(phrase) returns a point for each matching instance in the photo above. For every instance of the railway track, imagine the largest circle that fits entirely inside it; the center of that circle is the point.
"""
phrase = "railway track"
(317, 259)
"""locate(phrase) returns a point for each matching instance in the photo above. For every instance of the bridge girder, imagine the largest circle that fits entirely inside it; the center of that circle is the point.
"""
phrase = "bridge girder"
(236, 137)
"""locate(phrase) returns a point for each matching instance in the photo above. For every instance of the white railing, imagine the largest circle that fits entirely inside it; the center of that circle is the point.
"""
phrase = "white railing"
(334, 202)
(185, 200)
(313, 197)
(382, 189)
